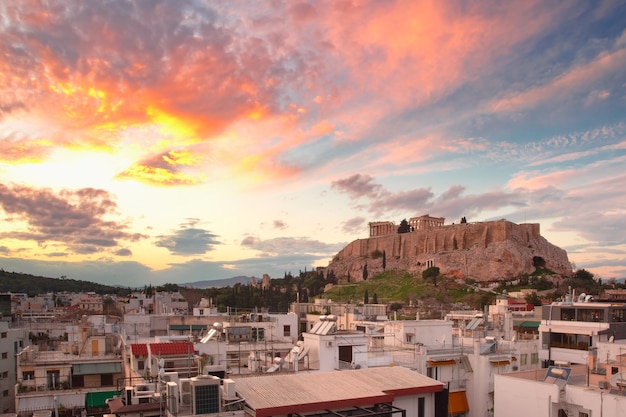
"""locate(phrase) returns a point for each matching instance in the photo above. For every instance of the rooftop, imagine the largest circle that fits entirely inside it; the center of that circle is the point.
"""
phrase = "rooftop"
(308, 392)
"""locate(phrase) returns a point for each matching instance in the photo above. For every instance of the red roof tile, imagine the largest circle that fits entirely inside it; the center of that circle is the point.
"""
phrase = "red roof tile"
(139, 349)
(172, 348)
(162, 349)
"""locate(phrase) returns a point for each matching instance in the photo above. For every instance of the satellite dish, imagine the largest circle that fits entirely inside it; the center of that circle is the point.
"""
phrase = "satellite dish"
(611, 339)
(619, 380)
(161, 372)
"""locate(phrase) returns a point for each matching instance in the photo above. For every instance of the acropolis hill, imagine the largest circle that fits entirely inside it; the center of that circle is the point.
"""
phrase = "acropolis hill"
(483, 251)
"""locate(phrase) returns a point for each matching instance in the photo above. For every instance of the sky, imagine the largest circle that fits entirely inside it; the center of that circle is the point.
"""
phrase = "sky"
(151, 142)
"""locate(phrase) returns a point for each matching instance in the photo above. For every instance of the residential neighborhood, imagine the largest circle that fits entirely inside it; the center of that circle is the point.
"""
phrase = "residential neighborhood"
(162, 357)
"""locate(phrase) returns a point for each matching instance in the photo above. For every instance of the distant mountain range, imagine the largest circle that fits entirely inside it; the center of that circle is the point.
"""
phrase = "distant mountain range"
(218, 283)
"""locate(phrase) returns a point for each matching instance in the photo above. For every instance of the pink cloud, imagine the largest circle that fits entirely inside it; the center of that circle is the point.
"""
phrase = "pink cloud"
(538, 181)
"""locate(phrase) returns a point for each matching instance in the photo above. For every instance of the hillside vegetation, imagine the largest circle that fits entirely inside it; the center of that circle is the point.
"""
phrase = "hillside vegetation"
(429, 292)
(32, 285)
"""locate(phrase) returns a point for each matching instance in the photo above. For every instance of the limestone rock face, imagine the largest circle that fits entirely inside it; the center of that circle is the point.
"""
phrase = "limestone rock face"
(488, 251)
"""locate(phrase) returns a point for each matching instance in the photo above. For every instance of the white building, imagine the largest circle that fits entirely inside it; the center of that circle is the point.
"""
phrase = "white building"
(556, 392)
(329, 348)
(11, 342)
(62, 379)
(570, 331)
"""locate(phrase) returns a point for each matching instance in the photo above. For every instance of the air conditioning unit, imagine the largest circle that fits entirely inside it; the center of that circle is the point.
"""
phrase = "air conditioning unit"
(172, 397)
(170, 377)
(205, 394)
(185, 391)
(604, 385)
(228, 389)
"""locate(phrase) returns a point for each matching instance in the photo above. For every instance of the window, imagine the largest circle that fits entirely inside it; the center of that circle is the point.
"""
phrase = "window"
(258, 334)
(421, 406)
(140, 365)
(570, 341)
(618, 315)
(52, 379)
(5, 393)
(592, 315)
(568, 314)
(287, 331)
(523, 360)
(5, 374)
(106, 380)
(3, 335)
(534, 358)
(78, 381)
(5, 355)
(28, 375)
(581, 414)
(409, 337)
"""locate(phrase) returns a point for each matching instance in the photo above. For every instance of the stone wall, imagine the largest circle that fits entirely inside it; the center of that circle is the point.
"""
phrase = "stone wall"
(482, 251)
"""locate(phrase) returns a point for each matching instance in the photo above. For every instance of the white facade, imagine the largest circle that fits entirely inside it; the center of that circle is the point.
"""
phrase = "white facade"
(136, 327)
(526, 394)
(408, 333)
(339, 350)
(11, 342)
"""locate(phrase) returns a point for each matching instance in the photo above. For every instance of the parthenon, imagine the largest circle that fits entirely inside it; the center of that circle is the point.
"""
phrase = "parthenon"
(425, 222)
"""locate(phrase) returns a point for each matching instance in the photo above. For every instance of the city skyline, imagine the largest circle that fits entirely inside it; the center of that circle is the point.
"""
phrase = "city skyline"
(178, 141)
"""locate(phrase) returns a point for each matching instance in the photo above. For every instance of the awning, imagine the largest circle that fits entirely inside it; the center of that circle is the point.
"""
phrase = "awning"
(441, 362)
(98, 399)
(194, 327)
(500, 362)
(530, 324)
(457, 402)
(96, 368)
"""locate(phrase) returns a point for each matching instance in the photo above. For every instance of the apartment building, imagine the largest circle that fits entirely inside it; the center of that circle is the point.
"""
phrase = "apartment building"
(12, 341)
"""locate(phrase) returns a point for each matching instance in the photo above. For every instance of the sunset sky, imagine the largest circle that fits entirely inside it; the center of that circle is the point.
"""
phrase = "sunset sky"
(150, 142)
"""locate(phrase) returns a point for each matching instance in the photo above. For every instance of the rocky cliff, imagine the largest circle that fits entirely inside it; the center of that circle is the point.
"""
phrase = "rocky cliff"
(487, 251)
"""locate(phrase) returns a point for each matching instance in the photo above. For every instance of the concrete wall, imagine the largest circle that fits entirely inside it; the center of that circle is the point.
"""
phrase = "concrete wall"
(517, 397)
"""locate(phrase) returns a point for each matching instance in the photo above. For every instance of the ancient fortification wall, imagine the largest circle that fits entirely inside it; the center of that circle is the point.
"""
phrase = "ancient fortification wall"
(483, 251)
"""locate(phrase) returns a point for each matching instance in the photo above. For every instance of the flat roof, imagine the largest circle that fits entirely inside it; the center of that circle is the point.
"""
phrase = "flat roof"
(304, 392)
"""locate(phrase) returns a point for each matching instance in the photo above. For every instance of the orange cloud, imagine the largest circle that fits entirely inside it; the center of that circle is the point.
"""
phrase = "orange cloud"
(24, 150)
(164, 169)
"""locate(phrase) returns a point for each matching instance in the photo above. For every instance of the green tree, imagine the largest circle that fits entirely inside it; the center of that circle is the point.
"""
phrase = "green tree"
(365, 273)
(432, 272)
(404, 227)
(366, 298)
(533, 299)
(384, 260)
(375, 299)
